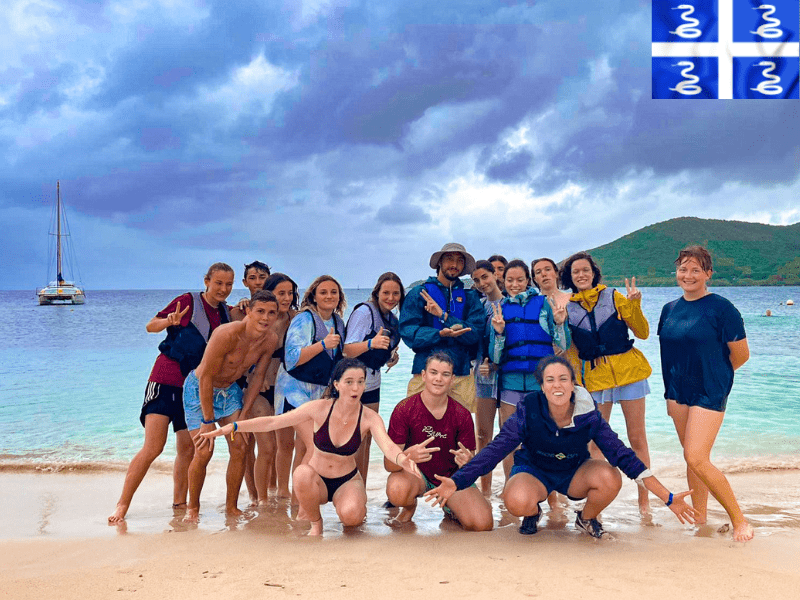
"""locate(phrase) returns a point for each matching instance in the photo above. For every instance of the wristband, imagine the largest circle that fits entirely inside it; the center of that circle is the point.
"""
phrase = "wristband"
(323, 344)
(369, 344)
(669, 502)
(204, 422)
(234, 430)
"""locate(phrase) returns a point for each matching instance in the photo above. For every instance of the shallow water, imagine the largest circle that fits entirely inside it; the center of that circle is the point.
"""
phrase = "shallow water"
(73, 379)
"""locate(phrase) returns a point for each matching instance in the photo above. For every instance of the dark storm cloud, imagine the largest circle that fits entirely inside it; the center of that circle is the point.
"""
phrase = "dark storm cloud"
(254, 123)
(511, 168)
(166, 59)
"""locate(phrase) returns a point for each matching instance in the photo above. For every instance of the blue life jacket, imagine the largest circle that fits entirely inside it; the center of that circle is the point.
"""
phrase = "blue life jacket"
(185, 345)
(600, 332)
(457, 303)
(526, 342)
(376, 358)
(319, 369)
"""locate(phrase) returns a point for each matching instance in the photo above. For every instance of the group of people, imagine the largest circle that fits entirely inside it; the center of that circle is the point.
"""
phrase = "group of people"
(546, 348)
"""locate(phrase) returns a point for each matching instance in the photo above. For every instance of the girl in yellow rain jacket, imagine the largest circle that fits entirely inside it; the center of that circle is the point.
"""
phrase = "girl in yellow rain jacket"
(603, 356)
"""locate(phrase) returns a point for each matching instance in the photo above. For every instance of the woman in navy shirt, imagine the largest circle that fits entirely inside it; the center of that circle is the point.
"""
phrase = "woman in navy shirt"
(553, 426)
(703, 342)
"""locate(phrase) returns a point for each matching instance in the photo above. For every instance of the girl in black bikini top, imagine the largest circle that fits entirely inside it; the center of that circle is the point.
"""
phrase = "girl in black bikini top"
(322, 437)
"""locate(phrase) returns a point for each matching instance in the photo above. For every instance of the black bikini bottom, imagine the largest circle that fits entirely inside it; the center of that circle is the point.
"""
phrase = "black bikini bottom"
(334, 483)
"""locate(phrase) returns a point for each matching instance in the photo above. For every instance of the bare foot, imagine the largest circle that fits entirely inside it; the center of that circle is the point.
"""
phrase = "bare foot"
(233, 511)
(179, 506)
(405, 515)
(284, 493)
(743, 532)
(647, 520)
(554, 502)
(192, 515)
(119, 514)
(316, 527)
(263, 503)
(254, 501)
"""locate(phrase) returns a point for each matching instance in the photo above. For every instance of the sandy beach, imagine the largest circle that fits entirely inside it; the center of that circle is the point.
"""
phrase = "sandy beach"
(56, 544)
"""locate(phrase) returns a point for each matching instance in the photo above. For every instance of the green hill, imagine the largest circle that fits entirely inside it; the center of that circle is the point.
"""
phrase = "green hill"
(743, 253)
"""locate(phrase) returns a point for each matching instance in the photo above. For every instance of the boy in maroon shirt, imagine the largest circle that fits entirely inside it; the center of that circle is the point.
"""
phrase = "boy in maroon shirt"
(438, 434)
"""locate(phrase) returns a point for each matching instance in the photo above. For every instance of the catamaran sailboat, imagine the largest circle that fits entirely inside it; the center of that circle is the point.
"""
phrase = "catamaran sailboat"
(60, 291)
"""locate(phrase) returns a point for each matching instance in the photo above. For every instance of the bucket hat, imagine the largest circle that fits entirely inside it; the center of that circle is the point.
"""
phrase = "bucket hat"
(469, 260)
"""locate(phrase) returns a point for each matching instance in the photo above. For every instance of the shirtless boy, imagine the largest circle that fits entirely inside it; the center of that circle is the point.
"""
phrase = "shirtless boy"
(211, 394)
(437, 433)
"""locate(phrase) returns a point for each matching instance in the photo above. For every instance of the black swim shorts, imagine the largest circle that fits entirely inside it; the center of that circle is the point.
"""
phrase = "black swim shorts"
(167, 400)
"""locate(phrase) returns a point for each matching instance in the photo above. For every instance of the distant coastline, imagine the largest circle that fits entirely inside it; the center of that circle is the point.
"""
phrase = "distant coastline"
(744, 254)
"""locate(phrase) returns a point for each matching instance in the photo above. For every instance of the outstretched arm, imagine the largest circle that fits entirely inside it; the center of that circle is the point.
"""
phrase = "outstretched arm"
(306, 412)
(676, 502)
(393, 453)
(488, 458)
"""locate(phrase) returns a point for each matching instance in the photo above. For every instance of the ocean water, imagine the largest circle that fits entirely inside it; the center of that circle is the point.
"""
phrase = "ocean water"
(73, 379)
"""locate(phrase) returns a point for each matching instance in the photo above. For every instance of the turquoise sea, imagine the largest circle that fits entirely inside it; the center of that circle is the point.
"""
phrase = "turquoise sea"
(73, 379)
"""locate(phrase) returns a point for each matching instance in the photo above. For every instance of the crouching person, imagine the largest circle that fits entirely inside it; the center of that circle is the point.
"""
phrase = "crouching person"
(438, 434)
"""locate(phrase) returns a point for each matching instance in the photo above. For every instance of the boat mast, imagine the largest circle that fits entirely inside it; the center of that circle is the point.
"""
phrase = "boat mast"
(59, 278)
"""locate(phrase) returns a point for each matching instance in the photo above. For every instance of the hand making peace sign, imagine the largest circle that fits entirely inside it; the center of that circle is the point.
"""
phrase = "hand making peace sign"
(559, 310)
(430, 304)
(420, 453)
(498, 322)
(633, 292)
(174, 318)
(463, 455)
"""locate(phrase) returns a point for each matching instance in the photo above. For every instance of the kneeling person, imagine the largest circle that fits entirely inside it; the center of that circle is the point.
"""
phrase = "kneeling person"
(438, 434)
(211, 394)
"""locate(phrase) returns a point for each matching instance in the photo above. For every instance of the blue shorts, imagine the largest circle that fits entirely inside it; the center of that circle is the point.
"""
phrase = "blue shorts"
(717, 405)
(226, 401)
(553, 481)
(632, 391)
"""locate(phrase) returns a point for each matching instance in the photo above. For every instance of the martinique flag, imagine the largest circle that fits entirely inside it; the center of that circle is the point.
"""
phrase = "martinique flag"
(726, 49)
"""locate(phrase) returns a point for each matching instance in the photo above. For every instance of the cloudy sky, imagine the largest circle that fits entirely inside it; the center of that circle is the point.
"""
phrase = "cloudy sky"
(352, 138)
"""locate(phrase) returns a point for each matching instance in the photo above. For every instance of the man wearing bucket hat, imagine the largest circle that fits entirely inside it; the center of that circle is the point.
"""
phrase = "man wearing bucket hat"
(440, 315)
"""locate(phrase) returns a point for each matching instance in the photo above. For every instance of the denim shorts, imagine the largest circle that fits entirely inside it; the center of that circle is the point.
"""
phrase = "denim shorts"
(632, 391)
(226, 401)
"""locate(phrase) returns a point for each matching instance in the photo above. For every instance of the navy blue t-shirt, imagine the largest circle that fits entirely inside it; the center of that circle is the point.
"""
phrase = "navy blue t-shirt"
(695, 358)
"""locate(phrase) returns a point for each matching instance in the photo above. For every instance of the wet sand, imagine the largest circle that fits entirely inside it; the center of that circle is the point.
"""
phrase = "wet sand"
(55, 543)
